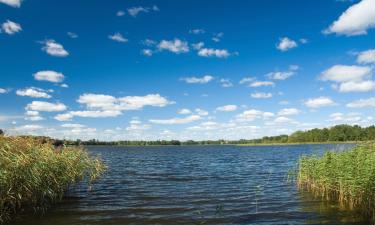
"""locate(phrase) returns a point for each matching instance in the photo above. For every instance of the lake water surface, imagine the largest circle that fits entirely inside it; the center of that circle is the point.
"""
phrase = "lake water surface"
(195, 185)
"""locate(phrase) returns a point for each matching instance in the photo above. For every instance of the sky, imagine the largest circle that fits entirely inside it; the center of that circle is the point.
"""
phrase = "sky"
(188, 69)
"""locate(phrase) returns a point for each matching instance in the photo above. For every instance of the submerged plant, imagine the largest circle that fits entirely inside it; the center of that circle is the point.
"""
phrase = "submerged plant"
(34, 174)
(347, 177)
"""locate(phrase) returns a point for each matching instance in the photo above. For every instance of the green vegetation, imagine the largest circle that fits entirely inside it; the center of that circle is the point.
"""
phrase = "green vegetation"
(335, 134)
(347, 177)
(34, 173)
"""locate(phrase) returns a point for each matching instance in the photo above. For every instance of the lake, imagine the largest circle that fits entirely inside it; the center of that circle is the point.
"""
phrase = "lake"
(195, 185)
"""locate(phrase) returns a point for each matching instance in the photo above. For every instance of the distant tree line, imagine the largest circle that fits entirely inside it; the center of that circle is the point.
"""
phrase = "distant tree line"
(338, 133)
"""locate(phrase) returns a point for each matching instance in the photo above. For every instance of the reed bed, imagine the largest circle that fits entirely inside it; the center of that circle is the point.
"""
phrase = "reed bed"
(347, 177)
(34, 175)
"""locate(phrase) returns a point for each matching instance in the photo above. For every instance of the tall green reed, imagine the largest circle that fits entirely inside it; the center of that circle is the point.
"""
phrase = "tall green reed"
(34, 175)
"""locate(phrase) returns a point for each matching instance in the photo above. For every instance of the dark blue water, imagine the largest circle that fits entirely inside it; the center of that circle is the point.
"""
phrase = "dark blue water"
(195, 185)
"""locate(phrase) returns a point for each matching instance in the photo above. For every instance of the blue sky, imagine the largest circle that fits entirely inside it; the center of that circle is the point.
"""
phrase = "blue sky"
(149, 70)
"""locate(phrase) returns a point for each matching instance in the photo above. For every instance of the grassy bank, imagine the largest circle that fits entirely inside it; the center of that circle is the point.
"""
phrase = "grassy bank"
(300, 143)
(347, 177)
(34, 175)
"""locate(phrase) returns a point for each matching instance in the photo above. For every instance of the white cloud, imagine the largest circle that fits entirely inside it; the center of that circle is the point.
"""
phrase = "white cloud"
(176, 46)
(356, 20)
(283, 119)
(72, 35)
(72, 125)
(120, 13)
(11, 27)
(33, 92)
(227, 108)
(285, 44)
(136, 125)
(49, 75)
(64, 85)
(366, 57)
(198, 80)
(33, 116)
(350, 78)
(198, 46)
(226, 83)
(283, 75)
(319, 102)
(252, 114)
(247, 80)
(209, 52)
(87, 114)
(262, 83)
(217, 37)
(288, 112)
(110, 103)
(261, 95)
(45, 106)
(184, 111)
(345, 118)
(28, 128)
(53, 48)
(13, 3)
(134, 11)
(3, 91)
(357, 86)
(362, 103)
(185, 120)
(343, 73)
(197, 31)
(147, 52)
(118, 37)
(201, 112)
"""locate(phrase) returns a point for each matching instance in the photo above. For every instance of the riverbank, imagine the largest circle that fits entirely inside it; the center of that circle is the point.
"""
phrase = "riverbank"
(301, 143)
(347, 177)
(34, 174)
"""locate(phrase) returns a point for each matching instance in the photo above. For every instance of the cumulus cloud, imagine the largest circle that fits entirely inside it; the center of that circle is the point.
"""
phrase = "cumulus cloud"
(201, 112)
(286, 43)
(283, 75)
(226, 83)
(28, 128)
(13, 3)
(356, 20)
(53, 48)
(33, 116)
(366, 57)
(350, 78)
(176, 46)
(210, 52)
(120, 13)
(108, 102)
(217, 37)
(134, 11)
(345, 118)
(33, 92)
(147, 52)
(252, 114)
(343, 73)
(184, 120)
(261, 95)
(198, 45)
(49, 75)
(362, 103)
(72, 35)
(246, 80)
(72, 125)
(227, 108)
(11, 27)
(319, 102)
(198, 80)
(288, 112)
(3, 91)
(184, 111)
(87, 114)
(136, 125)
(197, 31)
(45, 106)
(118, 37)
(262, 84)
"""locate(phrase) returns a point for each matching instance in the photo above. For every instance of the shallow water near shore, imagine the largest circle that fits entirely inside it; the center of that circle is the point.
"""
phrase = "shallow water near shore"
(195, 185)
